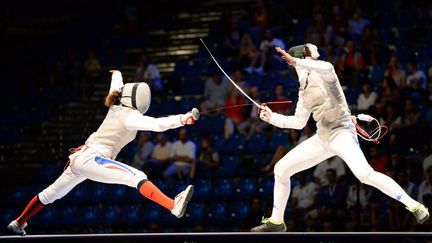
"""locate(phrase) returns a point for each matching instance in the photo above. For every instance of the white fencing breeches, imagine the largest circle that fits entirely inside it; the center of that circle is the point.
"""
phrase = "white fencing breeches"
(91, 165)
(313, 150)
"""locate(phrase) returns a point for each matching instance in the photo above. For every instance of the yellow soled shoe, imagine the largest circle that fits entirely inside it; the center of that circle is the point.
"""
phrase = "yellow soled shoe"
(420, 212)
(268, 226)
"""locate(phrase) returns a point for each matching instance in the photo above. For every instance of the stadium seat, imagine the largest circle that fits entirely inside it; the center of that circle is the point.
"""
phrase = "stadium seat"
(203, 188)
(90, 215)
(218, 213)
(132, 213)
(245, 188)
(196, 212)
(278, 138)
(236, 144)
(223, 188)
(239, 211)
(219, 143)
(265, 186)
(111, 214)
(229, 166)
(257, 143)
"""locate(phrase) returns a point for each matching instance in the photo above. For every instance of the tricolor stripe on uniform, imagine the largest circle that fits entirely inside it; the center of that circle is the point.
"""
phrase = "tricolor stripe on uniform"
(112, 164)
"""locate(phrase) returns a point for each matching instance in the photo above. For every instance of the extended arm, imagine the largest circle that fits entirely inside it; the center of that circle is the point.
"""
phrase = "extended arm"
(297, 121)
(116, 81)
(136, 121)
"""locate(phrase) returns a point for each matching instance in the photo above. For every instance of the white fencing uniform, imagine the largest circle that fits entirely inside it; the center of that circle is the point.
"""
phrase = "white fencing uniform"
(320, 94)
(95, 160)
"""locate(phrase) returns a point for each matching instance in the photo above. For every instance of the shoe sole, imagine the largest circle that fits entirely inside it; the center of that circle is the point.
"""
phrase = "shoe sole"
(11, 229)
(189, 194)
(423, 220)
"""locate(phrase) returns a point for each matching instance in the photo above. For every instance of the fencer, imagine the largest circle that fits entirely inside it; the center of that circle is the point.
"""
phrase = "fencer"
(95, 160)
(321, 95)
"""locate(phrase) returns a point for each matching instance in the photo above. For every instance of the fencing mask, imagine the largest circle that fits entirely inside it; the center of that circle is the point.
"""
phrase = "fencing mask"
(302, 51)
(137, 96)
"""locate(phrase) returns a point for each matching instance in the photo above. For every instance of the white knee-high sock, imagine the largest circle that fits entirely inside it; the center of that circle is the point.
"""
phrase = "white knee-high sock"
(281, 193)
(388, 186)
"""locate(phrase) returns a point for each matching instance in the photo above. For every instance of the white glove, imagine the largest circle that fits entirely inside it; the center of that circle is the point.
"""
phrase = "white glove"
(116, 81)
(265, 112)
(190, 118)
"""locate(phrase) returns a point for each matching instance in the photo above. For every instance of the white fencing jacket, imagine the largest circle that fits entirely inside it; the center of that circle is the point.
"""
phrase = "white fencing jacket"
(321, 94)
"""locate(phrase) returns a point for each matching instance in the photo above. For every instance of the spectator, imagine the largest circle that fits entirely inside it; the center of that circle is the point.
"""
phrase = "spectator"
(183, 157)
(365, 196)
(92, 65)
(235, 117)
(426, 185)
(255, 123)
(377, 160)
(395, 165)
(389, 93)
(144, 150)
(391, 119)
(398, 217)
(282, 150)
(304, 196)
(247, 52)
(411, 116)
(208, 158)
(160, 156)
(91, 68)
(315, 33)
(427, 161)
(351, 63)
(331, 56)
(367, 98)
(334, 163)
(416, 79)
(396, 72)
(238, 78)
(369, 45)
(279, 95)
(266, 56)
(149, 73)
(356, 25)
(215, 92)
(332, 198)
(338, 22)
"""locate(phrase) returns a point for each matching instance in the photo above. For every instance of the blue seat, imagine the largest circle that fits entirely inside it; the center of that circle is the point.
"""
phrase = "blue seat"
(217, 125)
(203, 188)
(48, 216)
(278, 138)
(111, 214)
(68, 215)
(100, 192)
(376, 74)
(196, 212)
(90, 215)
(236, 144)
(257, 143)
(245, 188)
(218, 212)
(118, 192)
(152, 212)
(239, 211)
(7, 215)
(265, 186)
(229, 166)
(81, 193)
(219, 143)
(223, 188)
(132, 213)
(20, 194)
